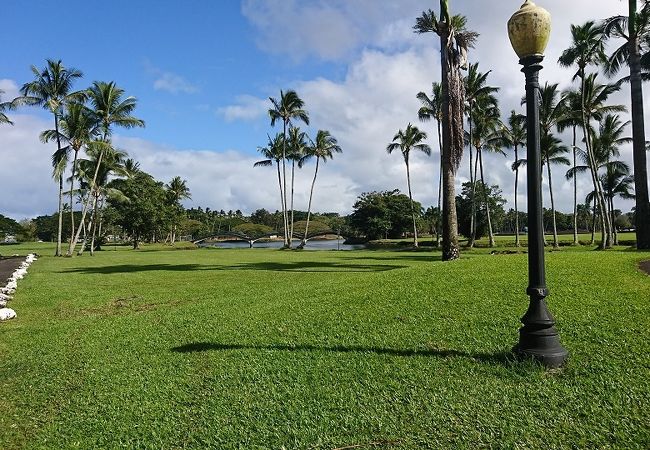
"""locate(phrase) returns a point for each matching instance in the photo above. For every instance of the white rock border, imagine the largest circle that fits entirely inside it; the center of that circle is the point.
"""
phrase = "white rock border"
(7, 292)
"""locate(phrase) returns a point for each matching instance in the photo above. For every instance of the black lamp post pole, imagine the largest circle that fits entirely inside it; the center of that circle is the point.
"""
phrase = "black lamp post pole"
(538, 337)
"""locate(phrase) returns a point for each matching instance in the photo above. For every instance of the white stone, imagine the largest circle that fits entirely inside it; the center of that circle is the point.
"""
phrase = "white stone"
(7, 313)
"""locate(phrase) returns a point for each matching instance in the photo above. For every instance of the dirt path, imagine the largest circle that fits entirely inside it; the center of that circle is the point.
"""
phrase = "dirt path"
(8, 266)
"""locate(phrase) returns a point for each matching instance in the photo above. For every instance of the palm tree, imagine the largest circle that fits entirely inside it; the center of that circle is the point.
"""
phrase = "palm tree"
(432, 109)
(552, 152)
(514, 136)
(3, 107)
(487, 136)
(177, 190)
(109, 109)
(132, 167)
(635, 51)
(573, 118)
(273, 152)
(78, 128)
(618, 183)
(297, 148)
(477, 95)
(287, 108)
(52, 89)
(455, 40)
(405, 141)
(323, 148)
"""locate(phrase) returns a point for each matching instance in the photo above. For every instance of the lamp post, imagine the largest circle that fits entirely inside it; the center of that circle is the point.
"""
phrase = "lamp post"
(529, 30)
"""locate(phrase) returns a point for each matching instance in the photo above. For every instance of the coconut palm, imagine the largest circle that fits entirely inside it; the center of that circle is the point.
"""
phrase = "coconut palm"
(618, 183)
(406, 141)
(296, 150)
(514, 136)
(323, 148)
(132, 167)
(432, 109)
(287, 108)
(51, 89)
(273, 152)
(3, 107)
(109, 109)
(455, 40)
(77, 128)
(634, 30)
(177, 190)
(552, 153)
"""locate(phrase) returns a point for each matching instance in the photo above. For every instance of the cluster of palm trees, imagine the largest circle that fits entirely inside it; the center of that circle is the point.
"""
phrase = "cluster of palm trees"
(83, 122)
(457, 97)
(295, 147)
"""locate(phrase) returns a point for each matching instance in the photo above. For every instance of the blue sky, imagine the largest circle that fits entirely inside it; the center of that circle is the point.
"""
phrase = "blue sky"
(202, 72)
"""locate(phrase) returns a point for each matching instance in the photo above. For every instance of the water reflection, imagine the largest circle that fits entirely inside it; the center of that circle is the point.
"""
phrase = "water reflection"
(316, 244)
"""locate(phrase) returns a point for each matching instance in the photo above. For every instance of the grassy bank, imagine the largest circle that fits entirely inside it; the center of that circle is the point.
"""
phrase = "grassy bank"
(264, 349)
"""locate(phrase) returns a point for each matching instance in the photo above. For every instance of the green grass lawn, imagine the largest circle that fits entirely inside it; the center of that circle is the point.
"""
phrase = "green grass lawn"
(264, 349)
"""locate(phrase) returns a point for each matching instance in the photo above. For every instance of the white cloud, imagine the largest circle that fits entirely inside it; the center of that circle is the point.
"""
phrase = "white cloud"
(169, 81)
(247, 107)
(10, 89)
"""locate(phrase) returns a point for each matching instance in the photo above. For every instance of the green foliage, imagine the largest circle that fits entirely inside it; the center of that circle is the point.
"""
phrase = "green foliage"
(464, 209)
(385, 214)
(8, 226)
(253, 230)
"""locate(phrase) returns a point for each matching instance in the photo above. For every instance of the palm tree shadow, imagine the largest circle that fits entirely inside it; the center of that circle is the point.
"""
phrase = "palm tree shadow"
(498, 358)
(131, 268)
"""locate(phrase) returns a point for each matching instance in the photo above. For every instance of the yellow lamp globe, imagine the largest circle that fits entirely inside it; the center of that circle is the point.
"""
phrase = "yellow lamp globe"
(529, 30)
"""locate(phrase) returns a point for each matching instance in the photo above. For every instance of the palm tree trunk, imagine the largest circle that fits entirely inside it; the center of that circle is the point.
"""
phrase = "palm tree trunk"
(74, 171)
(408, 182)
(84, 211)
(90, 225)
(311, 193)
(575, 190)
(287, 241)
(479, 156)
(293, 173)
(517, 244)
(439, 186)
(550, 191)
(450, 250)
(60, 230)
(642, 224)
(611, 209)
(472, 181)
(593, 223)
(277, 163)
(94, 230)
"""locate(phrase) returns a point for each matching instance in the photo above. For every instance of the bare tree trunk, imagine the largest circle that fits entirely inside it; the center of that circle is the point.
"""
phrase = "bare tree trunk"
(593, 224)
(415, 227)
(60, 230)
(94, 232)
(575, 190)
(293, 172)
(277, 163)
(90, 226)
(472, 181)
(550, 190)
(311, 194)
(439, 187)
(287, 242)
(479, 156)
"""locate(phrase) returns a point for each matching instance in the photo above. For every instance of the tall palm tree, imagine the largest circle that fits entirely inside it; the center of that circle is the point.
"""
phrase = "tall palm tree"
(132, 167)
(297, 148)
(177, 190)
(552, 153)
(273, 152)
(287, 108)
(587, 48)
(406, 141)
(51, 89)
(3, 107)
(635, 32)
(514, 136)
(618, 183)
(323, 148)
(109, 108)
(487, 136)
(477, 95)
(78, 128)
(432, 109)
(455, 41)
(573, 118)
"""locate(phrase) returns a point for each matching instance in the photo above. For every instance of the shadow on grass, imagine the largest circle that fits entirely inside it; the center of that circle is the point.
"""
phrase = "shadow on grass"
(299, 266)
(500, 358)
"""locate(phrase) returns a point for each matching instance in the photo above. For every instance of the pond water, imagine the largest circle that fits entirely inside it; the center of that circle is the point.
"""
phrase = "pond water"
(316, 244)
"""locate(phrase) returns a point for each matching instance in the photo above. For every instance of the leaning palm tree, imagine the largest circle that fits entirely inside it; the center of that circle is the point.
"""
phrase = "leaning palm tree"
(635, 51)
(78, 127)
(109, 109)
(514, 136)
(323, 148)
(455, 40)
(432, 109)
(406, 141)
(273, 152)
(296, 150)
(287, 108)
(3, 107)
(52, 89)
